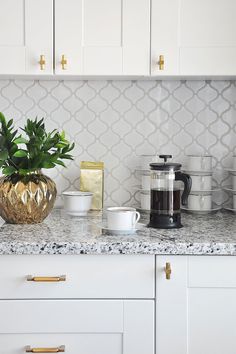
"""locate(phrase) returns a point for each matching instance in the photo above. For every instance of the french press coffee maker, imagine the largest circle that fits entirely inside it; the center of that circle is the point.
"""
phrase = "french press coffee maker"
(166, 193)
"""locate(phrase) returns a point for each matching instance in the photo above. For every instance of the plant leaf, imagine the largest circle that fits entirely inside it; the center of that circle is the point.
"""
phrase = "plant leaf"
(20, 153)
(24, 171)
(10, 122)
(2, 118)
(60, 145)
(20, 140)
(46, 164)
(58, 162)
(42, 149)
(9, 170)
(3, 155)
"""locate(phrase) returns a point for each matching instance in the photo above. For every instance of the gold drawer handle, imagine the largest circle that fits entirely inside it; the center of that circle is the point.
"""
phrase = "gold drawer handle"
(60, 349)
(168, 270)
(63, 62)
(161, 62)
(42, 62)
(46, 279)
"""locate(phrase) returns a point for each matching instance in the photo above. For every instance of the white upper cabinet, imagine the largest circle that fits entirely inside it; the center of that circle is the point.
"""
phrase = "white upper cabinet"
(112, 37)
(26, 37)
(194, 37)
(105, 37)
(164, 37)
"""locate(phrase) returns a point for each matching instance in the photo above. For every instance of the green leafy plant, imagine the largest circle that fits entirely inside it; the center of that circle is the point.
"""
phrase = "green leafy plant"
(35, 150)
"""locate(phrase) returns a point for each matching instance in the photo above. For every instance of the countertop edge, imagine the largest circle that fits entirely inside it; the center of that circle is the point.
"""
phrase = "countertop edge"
(119, 248)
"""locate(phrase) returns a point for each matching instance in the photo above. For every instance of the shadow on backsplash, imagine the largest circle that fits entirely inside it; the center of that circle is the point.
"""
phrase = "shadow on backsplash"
(115, 121)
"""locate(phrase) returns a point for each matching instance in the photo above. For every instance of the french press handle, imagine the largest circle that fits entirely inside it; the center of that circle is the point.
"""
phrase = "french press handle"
(184, 177)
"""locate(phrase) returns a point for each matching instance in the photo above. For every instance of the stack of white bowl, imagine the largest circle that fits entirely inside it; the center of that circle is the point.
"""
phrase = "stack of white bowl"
(199, 167)
(145, 186)
(231, 190)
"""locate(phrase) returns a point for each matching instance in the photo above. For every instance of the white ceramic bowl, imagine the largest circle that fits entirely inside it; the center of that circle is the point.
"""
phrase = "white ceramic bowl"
(77, 203)
(199, 162)
(200, 202)
(201, 182)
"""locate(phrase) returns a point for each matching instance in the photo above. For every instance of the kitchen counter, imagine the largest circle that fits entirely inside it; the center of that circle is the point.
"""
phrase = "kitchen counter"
(62, 234)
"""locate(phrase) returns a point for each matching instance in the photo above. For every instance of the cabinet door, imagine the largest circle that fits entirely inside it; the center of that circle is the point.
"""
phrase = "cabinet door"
(164, 37)
(196, 307)
(195, 37)
(26, 29)
(105, 37)
(109, 276)
(82, 327)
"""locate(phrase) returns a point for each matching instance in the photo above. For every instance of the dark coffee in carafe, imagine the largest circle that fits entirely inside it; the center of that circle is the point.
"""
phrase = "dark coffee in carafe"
(165, 202)
(165, 209)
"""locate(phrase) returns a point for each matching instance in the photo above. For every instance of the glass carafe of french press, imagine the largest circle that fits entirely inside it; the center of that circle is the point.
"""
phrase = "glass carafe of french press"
(166, 181)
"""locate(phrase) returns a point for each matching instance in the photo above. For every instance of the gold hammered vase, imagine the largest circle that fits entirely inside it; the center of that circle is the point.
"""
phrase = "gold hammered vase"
(26, 199)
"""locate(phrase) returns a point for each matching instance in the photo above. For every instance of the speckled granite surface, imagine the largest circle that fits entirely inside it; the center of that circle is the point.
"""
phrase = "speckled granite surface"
(61, 234)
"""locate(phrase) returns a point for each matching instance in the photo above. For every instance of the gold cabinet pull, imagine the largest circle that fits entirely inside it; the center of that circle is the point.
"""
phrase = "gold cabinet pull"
(161, 62)
(60, 349)
(168, 270)
(46, 279)
(42, 62)
(63, 62)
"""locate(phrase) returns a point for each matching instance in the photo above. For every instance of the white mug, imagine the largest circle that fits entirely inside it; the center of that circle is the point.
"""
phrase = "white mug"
(199, 202)
(201, 183)
(145, 200)
(77, 203)
(122, 218)
(199, 163)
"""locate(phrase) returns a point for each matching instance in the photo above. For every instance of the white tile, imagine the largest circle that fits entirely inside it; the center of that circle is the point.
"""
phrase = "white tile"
(117, 120)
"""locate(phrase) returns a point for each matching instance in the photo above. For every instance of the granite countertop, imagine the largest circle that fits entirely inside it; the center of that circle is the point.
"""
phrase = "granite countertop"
(62, 234)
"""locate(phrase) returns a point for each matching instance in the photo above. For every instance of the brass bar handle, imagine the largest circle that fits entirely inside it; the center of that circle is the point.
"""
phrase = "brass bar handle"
(60, 349)
(161, 62)
(42, 62)
(46, 279)
(63, 62)
(168, 270)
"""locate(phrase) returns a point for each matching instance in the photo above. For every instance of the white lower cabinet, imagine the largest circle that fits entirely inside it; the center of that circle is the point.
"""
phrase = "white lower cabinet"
(77, 326)
(77, 304)
(196, 307)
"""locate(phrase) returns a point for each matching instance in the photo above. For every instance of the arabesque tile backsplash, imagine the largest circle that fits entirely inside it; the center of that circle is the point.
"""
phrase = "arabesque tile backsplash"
(115, 121)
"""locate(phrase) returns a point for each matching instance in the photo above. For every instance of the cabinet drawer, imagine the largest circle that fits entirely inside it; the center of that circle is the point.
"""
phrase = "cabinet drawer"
(73, 343)
(79, 325)
(82, 326)
(212, 272)
(85, 277)
(61, 316)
